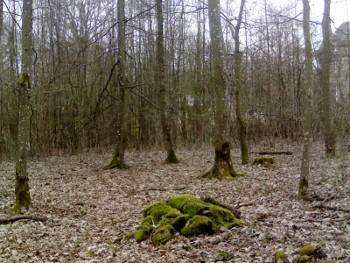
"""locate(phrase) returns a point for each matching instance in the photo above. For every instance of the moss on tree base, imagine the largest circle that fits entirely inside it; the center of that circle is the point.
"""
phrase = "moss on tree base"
(172, 158)
(23, 199)
(117, 165)
(185, 214)
(222, 167)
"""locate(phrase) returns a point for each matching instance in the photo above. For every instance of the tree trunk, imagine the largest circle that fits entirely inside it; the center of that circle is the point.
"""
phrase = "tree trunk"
(222, 163)
(2, 143)
(23, 199)
(238, 80)
(118, 158)
(307, 105)
(160, 80)
(325, 72)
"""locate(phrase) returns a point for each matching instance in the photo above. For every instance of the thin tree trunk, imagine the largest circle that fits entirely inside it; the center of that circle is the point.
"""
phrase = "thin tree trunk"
(118, 158)
(238, 79)
(268, 98)
(327, 97)
(222, 162)
(307, 106)
(1, 86)
(23, 199)
(160, 80)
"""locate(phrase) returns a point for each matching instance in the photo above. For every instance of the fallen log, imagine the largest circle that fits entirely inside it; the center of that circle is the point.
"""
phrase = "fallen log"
(274, 153)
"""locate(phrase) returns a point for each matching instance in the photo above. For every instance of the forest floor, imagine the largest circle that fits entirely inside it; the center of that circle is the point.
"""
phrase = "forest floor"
(88, 207)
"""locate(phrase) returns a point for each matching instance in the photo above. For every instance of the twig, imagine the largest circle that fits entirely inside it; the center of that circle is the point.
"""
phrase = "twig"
(4, 221)
(332, 208)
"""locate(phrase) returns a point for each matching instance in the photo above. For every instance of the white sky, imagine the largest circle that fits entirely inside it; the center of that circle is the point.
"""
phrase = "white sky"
(340, 9)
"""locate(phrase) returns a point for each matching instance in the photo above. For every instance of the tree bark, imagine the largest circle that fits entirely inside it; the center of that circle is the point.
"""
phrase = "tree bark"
(238, 80)
(23, 199)
(121, 137)
(222, 162)
(325, 74)
(1, 86)
(162, 90)
(307, 105)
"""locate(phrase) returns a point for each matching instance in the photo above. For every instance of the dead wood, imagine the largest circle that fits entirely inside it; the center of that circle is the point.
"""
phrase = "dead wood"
(4, 221)
(274, 153)
(332, 208)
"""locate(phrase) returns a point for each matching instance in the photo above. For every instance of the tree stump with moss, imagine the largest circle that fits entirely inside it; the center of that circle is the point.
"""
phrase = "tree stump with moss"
(223, 167)
(185, 214)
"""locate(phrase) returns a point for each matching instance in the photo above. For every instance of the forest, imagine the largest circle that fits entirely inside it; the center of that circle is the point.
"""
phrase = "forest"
(174, 131)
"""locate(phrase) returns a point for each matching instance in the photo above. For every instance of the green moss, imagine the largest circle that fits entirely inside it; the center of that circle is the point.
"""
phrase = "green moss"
(172, 159)
(157, 211)
(303, 186)
(304, 259)
(179, 222)
(173, 213)
(222, 217)
(23, 199)
(280, 256)
(245, 153)
(198, 225)
(163, 234)
(165, 221)
(186, 214)
(24, 78)
(141, 234)
(306, 250)
(264, 161)
(178, 202)
(194, 207)
(148, 219)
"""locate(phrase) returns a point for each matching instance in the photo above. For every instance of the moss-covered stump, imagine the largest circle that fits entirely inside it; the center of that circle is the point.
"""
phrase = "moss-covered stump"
(223, 167)
(311, 253)
(172, 158)
(280, 257)
(264, 161)
(185, 214)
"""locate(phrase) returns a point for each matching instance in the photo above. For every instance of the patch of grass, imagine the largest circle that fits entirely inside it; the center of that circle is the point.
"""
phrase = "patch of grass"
(343, 166)
(91, 253)
(224, 257)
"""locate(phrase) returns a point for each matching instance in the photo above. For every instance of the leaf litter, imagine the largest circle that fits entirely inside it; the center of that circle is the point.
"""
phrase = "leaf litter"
(88, 208)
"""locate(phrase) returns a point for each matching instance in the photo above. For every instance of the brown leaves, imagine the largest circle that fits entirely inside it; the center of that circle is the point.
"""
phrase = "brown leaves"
(88, 208)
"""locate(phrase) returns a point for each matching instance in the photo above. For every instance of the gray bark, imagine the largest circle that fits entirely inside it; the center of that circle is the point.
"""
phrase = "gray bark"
(325, 72)
(23, 199)
(307, 106)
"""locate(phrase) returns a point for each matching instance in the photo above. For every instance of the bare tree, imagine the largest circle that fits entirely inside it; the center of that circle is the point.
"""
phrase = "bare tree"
(1, 86)
(162, 90)
(222, 162)
(118, 158)
(23, 199)
(325, 75)
(238, 80)
(307, 106)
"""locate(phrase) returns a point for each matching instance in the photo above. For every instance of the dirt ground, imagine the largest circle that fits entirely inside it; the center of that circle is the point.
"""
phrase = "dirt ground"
(88, 207)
